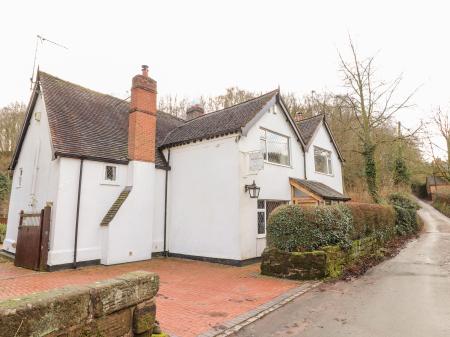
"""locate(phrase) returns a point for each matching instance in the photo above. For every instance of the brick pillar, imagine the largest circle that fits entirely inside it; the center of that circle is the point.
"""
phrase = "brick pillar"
(142, 118)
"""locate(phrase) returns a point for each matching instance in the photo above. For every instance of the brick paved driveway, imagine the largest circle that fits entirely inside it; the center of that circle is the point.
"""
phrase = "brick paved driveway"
(193, 298)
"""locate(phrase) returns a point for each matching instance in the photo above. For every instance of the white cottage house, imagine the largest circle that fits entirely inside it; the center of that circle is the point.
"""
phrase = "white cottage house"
(126, 181)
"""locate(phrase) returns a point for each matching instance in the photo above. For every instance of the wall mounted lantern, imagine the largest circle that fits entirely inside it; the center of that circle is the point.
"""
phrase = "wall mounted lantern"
(253, 190)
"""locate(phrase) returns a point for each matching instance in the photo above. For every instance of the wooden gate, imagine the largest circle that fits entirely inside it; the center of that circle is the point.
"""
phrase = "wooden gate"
(32, 240)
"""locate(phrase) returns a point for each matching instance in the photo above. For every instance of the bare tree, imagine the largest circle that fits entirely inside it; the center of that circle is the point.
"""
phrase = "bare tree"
(441, 120)
(372, 104)
(11, 119)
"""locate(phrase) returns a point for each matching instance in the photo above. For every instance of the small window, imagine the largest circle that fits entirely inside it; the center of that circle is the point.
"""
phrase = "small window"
(110, 173)
(274, 147)
(322, 160)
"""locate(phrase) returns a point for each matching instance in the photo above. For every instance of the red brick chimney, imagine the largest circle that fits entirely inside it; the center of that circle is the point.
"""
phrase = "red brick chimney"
(142, 118)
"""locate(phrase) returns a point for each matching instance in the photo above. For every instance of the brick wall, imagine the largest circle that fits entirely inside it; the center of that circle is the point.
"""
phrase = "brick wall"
(119, 307)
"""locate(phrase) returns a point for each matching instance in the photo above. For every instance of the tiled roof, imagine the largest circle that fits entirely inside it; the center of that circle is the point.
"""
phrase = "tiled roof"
(218, 123)
(436, 181)
(321, 189)
(308, 126)
(86, 123)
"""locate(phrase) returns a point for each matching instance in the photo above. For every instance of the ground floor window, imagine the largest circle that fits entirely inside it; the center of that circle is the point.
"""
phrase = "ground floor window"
(265, 207)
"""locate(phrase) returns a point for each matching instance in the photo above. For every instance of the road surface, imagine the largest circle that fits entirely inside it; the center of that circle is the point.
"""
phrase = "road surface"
(407, 296)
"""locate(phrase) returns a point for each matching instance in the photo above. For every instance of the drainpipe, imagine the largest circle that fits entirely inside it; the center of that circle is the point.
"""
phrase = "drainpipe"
(304, 162)
(165, 252)
(75, 248)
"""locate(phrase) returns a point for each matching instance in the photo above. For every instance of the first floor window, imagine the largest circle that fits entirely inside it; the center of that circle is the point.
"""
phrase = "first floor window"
(322, 160)
(110, 173)
(275, 147)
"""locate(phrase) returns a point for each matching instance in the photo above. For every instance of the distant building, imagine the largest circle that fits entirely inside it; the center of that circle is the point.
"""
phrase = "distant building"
(437, 184)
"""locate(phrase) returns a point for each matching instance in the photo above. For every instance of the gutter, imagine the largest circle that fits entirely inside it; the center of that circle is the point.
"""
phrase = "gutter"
(165, 251)
(75, 247)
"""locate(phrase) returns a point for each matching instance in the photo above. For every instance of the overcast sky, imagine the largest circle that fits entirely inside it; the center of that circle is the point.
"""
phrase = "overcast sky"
(198, 48)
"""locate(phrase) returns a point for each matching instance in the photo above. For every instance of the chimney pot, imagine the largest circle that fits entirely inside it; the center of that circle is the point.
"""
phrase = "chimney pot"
(145, 70)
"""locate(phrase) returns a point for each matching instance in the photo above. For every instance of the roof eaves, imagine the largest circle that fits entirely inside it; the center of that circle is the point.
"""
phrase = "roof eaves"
(292, 122)
(333, 140)
(93, 158)
(25, 125)
(198, 139)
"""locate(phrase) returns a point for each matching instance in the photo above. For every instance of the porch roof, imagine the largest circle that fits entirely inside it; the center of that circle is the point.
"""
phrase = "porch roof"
(320, 189)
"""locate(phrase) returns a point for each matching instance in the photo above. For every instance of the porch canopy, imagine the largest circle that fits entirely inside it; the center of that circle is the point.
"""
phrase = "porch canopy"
(310, 192)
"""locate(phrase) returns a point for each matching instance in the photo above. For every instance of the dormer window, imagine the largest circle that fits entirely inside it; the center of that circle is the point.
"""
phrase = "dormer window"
(322, 160)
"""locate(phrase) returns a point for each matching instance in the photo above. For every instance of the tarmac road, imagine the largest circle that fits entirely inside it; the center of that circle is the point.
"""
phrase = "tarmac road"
(407, 296)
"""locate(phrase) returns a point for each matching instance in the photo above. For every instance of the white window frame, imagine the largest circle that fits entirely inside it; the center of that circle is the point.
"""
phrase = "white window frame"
(105, 181)
(329, 161)
(261, 210)
(266, 154)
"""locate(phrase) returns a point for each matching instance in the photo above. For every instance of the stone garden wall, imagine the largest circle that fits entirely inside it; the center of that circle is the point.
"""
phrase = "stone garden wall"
(119, 307)
(330, 261)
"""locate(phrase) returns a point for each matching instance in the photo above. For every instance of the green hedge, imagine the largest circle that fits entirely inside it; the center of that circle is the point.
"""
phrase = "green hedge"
(372, 220)
(293, 228)
(406, 213)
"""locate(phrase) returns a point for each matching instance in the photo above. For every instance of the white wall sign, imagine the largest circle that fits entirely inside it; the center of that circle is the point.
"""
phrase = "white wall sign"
(256, 161)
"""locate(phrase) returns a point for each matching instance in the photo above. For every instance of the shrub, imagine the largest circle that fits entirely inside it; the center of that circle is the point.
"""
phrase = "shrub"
(442, 203)
(372, 220)
(294, 228)
(406, 216)
(2, 232)
(402, 200)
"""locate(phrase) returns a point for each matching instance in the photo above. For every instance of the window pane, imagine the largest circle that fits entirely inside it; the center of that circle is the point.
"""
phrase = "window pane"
(277, 148)
(110, 173)
(261, 223)
(322, 160)
(271, 205)
(261, 204)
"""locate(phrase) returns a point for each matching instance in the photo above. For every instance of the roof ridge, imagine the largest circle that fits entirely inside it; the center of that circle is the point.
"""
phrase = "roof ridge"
(232, 106)
(82, 87)
(322, 114)
(172, 116)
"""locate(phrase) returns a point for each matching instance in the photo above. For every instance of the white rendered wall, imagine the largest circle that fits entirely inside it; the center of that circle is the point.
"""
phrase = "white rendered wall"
(158, 225)
(273, 179)
(128, 237)
(39, 178)
(322, 139)
(204, 199)
(97, 196)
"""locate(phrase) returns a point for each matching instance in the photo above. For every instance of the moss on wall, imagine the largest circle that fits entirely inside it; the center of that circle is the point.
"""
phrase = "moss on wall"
(330, 261)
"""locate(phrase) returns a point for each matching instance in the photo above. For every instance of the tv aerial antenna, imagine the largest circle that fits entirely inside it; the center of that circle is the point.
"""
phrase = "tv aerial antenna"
(39, 41)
